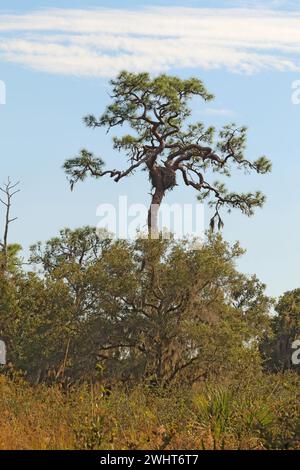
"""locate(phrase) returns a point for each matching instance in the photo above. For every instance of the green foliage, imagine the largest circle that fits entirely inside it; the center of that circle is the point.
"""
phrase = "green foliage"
(78, 167)
(164, 142)
(214, 412)
(154, 311)
(285, 330)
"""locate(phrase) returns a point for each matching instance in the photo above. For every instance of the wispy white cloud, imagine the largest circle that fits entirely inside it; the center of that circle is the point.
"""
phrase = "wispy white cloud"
(218, 111)
(103, 41)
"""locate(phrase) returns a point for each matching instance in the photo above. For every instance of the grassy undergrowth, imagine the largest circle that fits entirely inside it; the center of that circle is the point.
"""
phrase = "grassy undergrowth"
(251, 415)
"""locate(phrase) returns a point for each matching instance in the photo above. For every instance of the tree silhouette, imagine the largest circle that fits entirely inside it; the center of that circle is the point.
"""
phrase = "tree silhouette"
(8, 191)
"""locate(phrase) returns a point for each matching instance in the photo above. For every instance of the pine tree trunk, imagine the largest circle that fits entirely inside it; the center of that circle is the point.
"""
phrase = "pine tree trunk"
(153, 211)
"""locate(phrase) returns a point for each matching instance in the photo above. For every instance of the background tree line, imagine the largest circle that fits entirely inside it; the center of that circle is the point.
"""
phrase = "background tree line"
(89, 307)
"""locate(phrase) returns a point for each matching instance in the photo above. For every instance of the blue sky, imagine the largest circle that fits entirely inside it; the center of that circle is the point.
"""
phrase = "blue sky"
(55, 74)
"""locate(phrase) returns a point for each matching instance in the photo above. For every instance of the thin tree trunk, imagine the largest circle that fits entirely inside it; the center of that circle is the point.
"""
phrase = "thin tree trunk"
(5, 236)
(153, 211)
(9, 190)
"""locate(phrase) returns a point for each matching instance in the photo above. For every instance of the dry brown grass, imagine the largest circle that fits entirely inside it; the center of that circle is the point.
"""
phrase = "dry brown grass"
(258, 416)
(34, 417)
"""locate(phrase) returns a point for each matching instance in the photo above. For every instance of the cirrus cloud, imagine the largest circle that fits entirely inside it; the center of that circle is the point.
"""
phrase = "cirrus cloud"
(100, 42)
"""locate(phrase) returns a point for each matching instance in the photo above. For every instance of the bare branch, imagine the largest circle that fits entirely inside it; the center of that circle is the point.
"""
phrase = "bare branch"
(8, 189)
